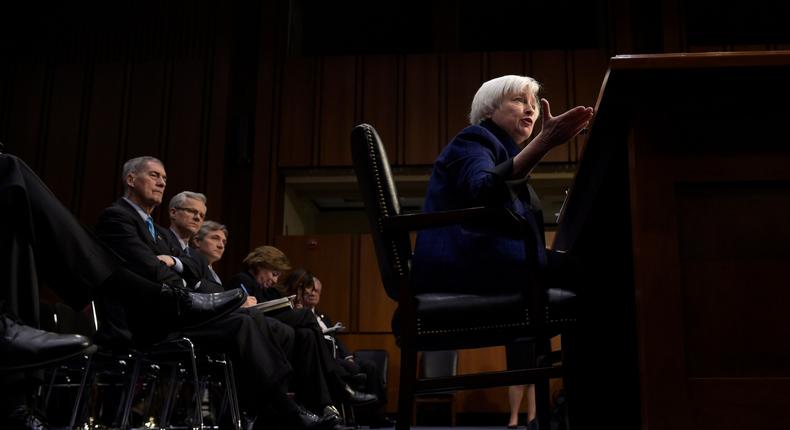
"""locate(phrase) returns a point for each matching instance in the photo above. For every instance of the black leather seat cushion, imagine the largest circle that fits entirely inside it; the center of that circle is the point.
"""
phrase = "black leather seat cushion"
(445, 320)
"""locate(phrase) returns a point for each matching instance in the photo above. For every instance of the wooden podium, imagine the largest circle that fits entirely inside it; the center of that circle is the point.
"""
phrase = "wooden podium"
(680, 211)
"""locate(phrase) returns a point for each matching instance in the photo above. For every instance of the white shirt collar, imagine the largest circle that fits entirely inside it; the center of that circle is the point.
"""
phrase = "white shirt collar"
(183, 243)
(143, 214)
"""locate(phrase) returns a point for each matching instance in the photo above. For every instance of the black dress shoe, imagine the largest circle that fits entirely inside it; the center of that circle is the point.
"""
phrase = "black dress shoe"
(358, 397)
(189, 310)
(23, 347)
(331, 412)
(357, 380)
(304, 419)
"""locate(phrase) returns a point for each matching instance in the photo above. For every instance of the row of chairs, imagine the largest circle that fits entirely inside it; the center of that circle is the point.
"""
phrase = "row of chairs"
(140, 388)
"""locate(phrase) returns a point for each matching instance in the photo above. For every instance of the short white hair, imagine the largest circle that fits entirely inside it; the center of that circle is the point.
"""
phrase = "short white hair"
(491, 93)
(180, 198)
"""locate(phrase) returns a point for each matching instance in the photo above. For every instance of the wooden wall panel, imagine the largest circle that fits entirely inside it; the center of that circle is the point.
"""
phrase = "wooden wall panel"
(25, 109)
(215, 131)
(421, 131)
(380, 101)
(102, 169)
(464, 76)
(297, 112)
(416, 102)
(75, 115)
(63, 129)
(186, 127)
(145, 110)
(505, 63)
(550, 68)
(375, 307)
(330, 258)
(482, 360)
(589, 69)
(338, 96)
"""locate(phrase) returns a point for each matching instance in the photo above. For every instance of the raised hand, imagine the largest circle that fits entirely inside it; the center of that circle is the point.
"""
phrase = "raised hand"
(557, 130)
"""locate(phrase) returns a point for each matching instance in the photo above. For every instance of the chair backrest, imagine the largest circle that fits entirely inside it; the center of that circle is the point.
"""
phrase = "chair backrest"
(437, 364)
(379, 357)
(393, 249)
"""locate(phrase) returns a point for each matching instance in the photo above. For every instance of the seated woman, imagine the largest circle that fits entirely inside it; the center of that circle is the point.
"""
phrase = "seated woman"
(488, 164)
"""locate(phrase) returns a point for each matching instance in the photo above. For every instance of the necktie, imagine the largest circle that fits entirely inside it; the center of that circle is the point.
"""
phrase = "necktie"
(150, 223)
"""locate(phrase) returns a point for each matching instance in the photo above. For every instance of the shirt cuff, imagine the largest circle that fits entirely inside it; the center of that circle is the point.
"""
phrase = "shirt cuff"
(179, 266)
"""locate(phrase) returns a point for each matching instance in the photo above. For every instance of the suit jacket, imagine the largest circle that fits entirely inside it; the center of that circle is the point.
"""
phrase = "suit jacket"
(122, 229)
(66, 256)
(196, 260)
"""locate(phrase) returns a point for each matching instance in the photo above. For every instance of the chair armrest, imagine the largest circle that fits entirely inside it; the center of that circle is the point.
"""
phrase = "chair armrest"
(505, 221)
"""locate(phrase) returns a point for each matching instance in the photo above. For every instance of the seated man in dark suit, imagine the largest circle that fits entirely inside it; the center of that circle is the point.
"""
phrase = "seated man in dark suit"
(128, 229)
(187, 211)
(309, 379)
(308, 289)
(209, 242)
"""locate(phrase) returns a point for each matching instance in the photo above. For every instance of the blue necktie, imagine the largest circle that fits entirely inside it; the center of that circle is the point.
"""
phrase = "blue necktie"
(150, 223)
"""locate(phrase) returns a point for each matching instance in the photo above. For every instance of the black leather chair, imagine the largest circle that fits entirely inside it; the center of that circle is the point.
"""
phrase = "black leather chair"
(136, 374)
(439, 321)
(379, 357)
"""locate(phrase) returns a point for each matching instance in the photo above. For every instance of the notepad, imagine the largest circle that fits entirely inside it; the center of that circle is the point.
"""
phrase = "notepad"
(271, 305)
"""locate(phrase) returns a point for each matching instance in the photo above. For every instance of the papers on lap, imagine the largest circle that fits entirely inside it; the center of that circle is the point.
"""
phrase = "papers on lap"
(271, 305)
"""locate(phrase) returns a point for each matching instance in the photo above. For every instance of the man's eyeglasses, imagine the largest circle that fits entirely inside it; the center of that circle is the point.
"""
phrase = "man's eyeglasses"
(193, 212)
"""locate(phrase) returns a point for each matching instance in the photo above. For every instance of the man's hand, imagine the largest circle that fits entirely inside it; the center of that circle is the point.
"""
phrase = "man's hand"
(338, 327)
(168, 260)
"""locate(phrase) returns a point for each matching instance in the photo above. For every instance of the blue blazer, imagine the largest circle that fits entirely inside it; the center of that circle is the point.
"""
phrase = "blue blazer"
(474, 170)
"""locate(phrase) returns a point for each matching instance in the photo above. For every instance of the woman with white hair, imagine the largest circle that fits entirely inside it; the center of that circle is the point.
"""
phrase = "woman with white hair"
(488, 164)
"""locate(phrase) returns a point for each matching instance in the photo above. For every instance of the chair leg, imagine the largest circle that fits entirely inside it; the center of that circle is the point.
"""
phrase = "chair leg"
(230, 386)
(453, 410)
(570, 372)
(164, 413)
(542, 403)
(81, 389)
(49, 387)
(408, 375)
(198, 418)
(152, 388)
(127, 405)
(543, 387)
